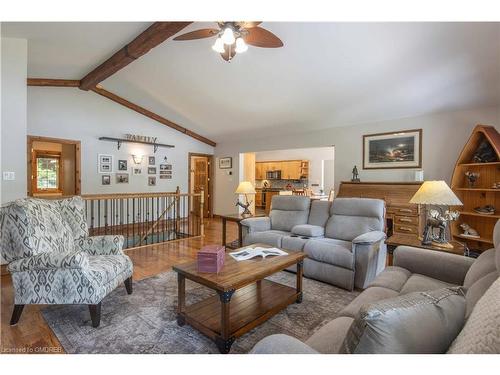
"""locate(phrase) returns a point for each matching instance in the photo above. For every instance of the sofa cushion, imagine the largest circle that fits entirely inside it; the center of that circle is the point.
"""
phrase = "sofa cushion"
(392, 278)
(372, 294)
(415, 323)
(346, 244)
(481, 333)
(293, 242)
(421, 283)
(105, 268)
(329, 338)
(483, 265)
(308, 230)
(351, 217)
(269, 237)
(288, 211)
(319, 213)
(330, 253)
(477, 290)
(73, 213)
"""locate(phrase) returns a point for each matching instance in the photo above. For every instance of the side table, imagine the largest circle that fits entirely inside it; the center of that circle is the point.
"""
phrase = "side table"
(236, 218)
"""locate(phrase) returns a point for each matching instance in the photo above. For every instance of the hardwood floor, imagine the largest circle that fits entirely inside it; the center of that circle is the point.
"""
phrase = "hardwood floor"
(33, 335)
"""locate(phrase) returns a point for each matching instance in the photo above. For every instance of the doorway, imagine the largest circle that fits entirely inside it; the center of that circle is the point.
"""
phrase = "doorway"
(53, 167)
(200, 179)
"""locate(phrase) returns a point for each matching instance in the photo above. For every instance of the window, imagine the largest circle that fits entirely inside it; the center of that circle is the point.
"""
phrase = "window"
(47, 173)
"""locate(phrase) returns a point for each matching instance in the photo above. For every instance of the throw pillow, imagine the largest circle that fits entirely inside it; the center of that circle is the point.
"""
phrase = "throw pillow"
(481, 333)
(414, 323)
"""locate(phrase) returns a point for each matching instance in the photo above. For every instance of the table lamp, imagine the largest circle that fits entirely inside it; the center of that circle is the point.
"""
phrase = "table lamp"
(439, 195)
(245, 188)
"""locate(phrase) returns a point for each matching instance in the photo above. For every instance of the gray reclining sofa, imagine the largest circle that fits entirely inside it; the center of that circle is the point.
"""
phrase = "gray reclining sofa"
(344, 239)
(416, 270)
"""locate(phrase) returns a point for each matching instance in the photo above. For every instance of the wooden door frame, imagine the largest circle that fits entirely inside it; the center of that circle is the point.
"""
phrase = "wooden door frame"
(210, 179)
(36, 138)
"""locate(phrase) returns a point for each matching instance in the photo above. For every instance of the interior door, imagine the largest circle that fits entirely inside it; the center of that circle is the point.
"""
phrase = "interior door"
(201, 179)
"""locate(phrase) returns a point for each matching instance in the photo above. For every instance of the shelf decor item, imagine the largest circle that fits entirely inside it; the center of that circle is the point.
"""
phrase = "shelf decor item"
(211, 258)
(472, 178)
(477, 156)
(245, 188)
(439, 196)
(393, 150)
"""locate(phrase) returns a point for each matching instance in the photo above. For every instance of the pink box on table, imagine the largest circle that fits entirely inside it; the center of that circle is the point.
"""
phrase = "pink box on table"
(211, 258)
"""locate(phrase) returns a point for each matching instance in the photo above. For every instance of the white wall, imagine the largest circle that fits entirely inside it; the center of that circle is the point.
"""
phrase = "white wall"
(315, 155)
(14, 54)
(444, 135)
(75, 114)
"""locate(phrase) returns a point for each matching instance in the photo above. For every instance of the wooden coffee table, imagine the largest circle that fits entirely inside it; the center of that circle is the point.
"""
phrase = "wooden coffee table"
(244, 298)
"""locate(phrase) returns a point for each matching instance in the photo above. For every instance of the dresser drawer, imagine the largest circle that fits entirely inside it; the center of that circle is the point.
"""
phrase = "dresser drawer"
(406, 220)
(403, 210)
(408, 229)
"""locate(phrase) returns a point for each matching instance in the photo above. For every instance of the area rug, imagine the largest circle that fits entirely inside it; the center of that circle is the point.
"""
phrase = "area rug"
(145, 322)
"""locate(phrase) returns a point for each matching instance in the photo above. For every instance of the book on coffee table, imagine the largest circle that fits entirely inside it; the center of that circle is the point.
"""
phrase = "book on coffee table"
(249, 253)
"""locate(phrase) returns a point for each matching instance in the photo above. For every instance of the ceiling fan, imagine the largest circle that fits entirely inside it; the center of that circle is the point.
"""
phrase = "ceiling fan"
(234, 37)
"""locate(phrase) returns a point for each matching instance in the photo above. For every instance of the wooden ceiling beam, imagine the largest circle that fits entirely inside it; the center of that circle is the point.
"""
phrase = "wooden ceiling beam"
(154, 35)
(145, 112)
(49, 82)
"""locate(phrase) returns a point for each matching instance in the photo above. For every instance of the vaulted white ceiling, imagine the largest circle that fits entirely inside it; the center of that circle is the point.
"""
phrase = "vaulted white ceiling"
(327, 74)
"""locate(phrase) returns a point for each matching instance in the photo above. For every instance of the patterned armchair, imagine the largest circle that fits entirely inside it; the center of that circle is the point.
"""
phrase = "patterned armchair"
(53, 260)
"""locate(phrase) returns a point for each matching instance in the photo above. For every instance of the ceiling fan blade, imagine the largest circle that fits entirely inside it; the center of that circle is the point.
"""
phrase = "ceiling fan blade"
(226, 56)
(198, 34)
(259, 37)
(248, 24)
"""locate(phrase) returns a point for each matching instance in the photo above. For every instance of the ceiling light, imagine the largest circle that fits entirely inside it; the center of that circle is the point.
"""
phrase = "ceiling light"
(241, 46)
(218, 46)
(228, 36)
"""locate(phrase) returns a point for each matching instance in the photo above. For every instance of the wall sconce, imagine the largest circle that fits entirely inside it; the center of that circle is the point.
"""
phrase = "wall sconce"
(137, 159)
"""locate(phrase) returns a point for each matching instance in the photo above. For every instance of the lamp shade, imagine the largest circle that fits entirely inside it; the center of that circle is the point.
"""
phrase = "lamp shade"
(245, 187)
(437, 193)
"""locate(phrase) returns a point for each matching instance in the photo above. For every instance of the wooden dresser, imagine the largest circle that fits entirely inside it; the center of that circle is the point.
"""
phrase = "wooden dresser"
(401, 217)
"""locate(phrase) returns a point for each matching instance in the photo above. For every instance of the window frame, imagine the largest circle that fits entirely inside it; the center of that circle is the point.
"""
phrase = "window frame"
(50, 154)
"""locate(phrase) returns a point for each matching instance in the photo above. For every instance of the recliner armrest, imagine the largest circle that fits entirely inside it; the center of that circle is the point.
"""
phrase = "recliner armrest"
(257, 224)
(281, 344)
(369, 238)
(101, 245)
(450, 268)
(46, 261)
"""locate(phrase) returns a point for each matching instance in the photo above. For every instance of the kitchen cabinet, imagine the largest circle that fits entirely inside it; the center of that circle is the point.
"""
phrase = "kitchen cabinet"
(258, 198)
(269, 197)
(259, 171)
(290, 169)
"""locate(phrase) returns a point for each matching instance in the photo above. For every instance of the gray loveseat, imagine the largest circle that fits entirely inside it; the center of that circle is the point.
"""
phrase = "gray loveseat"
(417, 270)
(344, 239)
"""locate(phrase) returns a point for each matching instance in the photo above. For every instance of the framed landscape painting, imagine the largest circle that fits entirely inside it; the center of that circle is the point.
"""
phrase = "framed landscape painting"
(393, 150)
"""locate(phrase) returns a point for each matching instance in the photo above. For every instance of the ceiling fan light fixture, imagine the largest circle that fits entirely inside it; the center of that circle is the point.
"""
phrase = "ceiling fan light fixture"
(228, 36)
(218, 46)
(241, 46)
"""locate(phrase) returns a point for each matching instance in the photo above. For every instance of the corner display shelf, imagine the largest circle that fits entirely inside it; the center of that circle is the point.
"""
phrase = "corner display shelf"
(119, 142)
(481, 194)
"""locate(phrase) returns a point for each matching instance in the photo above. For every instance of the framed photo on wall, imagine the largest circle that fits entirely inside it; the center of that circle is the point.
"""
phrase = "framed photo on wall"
(151, 181)
(151, 160)
(151, 170)
(106, 179)
(393, 150)
(122, 165)
(226, 163)
(122, 178)
(104, 163)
